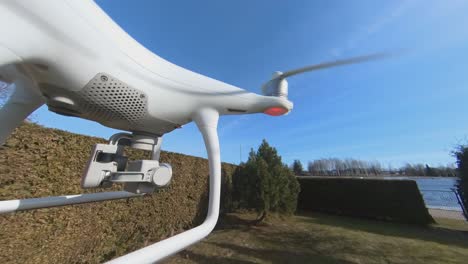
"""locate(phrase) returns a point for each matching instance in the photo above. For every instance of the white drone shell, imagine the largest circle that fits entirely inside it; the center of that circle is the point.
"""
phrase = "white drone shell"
(85, 65)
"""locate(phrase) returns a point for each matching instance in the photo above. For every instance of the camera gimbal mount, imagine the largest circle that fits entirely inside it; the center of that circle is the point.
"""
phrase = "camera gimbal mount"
(108, 165)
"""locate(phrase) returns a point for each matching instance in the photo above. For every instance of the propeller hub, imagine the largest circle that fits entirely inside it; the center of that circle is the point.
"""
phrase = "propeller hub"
(276, 74)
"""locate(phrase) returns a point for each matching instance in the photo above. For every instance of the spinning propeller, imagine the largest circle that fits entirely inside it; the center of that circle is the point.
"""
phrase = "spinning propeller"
(278, 86)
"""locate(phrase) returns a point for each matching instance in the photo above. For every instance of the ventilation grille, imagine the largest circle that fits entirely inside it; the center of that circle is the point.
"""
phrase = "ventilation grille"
(104, 99)
(108, 99)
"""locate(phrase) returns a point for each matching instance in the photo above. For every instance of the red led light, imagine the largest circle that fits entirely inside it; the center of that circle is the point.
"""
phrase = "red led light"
(275, 111)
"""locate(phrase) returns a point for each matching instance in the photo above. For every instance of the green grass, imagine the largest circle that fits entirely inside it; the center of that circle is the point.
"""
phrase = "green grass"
(319, 238)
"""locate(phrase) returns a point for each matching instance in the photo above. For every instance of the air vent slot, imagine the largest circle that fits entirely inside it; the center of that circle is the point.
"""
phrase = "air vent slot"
(236, 110)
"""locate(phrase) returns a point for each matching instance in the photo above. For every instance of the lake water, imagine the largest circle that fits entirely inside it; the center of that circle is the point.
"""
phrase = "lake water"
(437, 192)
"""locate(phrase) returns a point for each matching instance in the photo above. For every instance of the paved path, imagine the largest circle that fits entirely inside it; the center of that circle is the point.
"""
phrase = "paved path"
(439, 213)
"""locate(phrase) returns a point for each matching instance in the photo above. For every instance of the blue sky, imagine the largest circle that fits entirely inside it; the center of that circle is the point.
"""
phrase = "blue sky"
(410, 108)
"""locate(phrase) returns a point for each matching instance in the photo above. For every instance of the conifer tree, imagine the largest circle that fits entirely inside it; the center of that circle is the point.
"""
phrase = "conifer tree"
(461, 154)
(265, 184)
(297, 167)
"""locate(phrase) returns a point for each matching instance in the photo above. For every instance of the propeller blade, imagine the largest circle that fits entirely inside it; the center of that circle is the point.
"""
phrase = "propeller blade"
(324, 65)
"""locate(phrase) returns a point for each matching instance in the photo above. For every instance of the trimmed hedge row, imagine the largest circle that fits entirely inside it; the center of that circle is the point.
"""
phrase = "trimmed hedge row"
(390, 200)
(37, 162)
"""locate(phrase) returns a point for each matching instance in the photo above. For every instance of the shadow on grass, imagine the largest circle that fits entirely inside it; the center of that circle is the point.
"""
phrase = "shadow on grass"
(427, 233)
(273, 244)
(199, 258)
(278, 255)
(232, 221)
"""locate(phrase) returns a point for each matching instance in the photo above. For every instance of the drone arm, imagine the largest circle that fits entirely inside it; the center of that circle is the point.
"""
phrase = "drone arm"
(24, 99)
(207, 121)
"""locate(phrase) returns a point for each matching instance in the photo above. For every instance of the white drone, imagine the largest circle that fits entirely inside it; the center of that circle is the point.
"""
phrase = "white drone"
(73, 57)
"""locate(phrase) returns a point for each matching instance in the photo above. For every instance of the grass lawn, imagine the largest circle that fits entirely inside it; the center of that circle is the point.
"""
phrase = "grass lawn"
(319, 238)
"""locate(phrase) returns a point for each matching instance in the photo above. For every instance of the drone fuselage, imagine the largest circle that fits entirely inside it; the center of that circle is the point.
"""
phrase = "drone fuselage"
(71, 56)
(81, 63)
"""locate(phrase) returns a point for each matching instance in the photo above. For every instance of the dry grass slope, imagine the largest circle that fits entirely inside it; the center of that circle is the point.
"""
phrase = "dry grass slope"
(320, 238)
(38, 162)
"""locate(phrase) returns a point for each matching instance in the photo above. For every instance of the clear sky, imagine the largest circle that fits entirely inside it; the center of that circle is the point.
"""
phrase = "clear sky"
(412, 108)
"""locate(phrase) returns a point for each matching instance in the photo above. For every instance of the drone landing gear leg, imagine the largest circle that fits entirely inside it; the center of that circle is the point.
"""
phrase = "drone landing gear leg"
(207, 121)
(10, 206)
(20, 105)
(24, 99)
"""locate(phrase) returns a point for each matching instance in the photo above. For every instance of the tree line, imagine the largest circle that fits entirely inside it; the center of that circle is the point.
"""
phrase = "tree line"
(356, 167)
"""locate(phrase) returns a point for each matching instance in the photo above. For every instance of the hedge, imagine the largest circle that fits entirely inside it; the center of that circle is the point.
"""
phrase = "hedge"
(37, 162)
(390, 200)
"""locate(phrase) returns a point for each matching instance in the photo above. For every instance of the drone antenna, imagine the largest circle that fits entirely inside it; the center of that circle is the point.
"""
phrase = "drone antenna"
(240, 153)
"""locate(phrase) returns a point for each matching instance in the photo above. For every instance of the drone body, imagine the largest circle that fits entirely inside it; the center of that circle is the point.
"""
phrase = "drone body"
(71, 56)
(83, 64)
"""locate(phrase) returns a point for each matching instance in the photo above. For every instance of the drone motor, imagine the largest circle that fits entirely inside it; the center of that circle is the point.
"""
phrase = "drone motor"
(277, 86)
